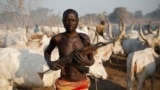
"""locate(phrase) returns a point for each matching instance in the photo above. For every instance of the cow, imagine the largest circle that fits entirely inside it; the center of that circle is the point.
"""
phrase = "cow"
(143, 64)
(133, 41)
(21, 67)
(115, 47)
(11, 38)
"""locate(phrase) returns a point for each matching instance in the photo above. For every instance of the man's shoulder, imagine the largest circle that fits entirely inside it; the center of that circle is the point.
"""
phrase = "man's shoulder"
(84, 35)
(98, 25)
(85, 38)
(57, 36)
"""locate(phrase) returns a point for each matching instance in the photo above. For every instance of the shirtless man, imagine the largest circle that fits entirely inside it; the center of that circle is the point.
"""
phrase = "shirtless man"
(72, 78)
(101, 29)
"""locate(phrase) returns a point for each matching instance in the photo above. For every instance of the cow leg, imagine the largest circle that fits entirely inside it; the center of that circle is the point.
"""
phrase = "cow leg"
(130, 81)
(140, 81)
(4, 84)
(152, 82)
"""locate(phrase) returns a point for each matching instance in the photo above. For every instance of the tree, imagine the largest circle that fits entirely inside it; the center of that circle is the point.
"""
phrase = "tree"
(20, 9)
(118, 13)
(138, 14)
(102, 16)
(154, 14)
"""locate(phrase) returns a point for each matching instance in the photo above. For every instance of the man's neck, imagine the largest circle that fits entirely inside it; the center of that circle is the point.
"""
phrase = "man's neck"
(70, 35)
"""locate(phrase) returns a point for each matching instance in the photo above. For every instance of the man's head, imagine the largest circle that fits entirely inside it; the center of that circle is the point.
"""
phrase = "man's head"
(102, 22)
(70, 20)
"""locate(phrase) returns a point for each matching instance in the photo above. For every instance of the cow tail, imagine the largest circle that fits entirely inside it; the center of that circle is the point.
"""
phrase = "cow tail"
(130, 69)
(133, 66)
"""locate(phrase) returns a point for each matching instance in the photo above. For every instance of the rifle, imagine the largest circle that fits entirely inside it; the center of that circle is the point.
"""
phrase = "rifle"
(84, 51)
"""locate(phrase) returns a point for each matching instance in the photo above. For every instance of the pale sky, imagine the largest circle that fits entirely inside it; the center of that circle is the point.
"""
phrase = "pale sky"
(98, 6)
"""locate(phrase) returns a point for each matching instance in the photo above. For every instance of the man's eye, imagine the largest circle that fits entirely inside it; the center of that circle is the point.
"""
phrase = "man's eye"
(73, 20)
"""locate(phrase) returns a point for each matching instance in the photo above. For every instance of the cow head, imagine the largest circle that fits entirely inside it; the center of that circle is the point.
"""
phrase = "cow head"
(151, 42)
(117, 45)
(36, 41)
(97, 69)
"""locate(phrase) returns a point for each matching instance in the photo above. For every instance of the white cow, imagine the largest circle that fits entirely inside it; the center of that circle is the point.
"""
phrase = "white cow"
(97, 69)
(21, 67)
(11, 38)
(112, 48)
(133, 41)
(143, 64)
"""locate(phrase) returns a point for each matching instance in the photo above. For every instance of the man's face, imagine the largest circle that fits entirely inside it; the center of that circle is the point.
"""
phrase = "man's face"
(70, 22)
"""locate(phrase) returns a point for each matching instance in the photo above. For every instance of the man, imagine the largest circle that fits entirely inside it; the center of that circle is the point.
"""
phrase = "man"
(101, 29)
(73, 71)
(36, 28)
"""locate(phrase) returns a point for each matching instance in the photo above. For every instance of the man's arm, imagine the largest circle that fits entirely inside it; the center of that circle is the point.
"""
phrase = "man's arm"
(57, 64)
(88, 58)
(47, 55)
(84, 60)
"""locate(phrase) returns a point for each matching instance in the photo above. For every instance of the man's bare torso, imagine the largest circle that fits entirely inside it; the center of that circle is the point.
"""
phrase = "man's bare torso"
(66, 45)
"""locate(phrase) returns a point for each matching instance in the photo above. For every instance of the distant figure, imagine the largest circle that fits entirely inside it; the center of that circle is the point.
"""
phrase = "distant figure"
(101, 28)
(36, 28)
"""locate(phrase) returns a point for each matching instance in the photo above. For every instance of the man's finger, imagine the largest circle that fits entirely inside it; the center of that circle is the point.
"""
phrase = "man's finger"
(79, 56)
(77, 59)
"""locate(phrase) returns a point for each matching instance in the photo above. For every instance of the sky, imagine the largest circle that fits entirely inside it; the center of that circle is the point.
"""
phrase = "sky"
(98, 6)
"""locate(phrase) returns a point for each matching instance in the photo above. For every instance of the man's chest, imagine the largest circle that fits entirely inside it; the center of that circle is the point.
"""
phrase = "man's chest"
(67, 46)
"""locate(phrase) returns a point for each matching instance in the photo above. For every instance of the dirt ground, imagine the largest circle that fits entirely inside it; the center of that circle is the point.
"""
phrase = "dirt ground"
(116, 78)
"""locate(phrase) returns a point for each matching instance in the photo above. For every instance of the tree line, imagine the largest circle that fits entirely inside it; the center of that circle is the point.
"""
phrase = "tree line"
(21, 13)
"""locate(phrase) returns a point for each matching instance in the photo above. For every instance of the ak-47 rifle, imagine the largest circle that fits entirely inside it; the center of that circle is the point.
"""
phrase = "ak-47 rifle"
(84, 51)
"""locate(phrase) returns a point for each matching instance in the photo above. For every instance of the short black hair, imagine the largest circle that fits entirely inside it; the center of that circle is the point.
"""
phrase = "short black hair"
(102, 22)
(66, 12)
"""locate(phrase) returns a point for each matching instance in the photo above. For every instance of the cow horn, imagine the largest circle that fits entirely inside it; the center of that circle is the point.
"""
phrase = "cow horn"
(91, 22)
(80, 24)
(141, 34)
(27, 33)
(58, 31)
(109, 29)
(42, 29)
(149, 27)
(120, 25)
(96, 35)
(122, 28)
(49, 34)
(158, 31)
(132, 25)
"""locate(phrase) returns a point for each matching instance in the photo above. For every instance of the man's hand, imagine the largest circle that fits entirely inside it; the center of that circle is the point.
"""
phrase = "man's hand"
(80, 59)
(54, 65)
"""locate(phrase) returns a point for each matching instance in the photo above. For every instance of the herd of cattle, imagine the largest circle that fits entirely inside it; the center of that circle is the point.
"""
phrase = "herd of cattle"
(22, 59)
